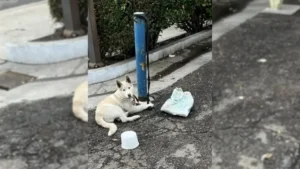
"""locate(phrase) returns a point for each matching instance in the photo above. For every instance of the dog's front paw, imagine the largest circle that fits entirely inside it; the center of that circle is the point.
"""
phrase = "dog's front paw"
(150, 105)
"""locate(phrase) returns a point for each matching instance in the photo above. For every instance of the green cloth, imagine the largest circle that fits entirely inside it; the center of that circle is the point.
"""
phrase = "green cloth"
(180, 103)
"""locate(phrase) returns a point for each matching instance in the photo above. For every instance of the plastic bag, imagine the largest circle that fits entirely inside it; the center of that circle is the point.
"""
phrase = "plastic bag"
(179, 104)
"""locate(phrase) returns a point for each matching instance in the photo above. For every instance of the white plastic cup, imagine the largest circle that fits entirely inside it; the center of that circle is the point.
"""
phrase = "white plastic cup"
(129, 140)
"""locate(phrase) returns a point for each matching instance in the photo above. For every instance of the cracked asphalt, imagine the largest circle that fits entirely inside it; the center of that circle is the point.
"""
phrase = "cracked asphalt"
(266, 118)
(42, 135)
(45, 135)
(166, 142)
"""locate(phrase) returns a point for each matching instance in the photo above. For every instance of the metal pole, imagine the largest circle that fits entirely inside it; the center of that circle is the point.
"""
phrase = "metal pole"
(71, 18)
(140, 54)
(93, 39)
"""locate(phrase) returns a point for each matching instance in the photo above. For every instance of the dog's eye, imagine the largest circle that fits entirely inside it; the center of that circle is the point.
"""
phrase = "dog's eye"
(128, 87)
(124, 90)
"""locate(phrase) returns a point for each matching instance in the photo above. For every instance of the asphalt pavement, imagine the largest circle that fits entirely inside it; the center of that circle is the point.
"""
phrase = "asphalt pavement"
(165, 141)
(42, 135)
(256, 95)
(45, 134)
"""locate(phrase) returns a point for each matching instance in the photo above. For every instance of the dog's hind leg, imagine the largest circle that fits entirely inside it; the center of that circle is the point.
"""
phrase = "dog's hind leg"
(124, 117)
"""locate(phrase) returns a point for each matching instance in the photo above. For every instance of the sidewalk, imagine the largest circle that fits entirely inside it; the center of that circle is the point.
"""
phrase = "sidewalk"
(266, 118)
(27, 22)
(32, 21)
(52, 80)
(5, 4)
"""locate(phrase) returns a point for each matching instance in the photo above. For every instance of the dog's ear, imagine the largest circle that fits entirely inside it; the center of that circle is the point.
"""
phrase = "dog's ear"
(119, 84)
(128, 79)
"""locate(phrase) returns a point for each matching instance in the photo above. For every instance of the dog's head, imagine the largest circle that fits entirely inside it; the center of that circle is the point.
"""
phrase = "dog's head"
(125, 88)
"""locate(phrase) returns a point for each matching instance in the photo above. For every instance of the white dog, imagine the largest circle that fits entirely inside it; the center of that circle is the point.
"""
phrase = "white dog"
(80, 100)
(118, 106)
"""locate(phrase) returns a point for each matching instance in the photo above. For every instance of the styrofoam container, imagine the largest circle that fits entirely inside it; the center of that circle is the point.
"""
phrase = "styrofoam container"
(129, 140)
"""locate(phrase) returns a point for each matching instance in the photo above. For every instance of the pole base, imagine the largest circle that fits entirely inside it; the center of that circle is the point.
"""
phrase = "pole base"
(143, 99)
(95, 65)
(73, 33)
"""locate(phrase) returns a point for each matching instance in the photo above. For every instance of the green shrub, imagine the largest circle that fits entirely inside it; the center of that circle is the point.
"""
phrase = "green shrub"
(115, 23)
(191, 15)
(56, 10)
(115, 20)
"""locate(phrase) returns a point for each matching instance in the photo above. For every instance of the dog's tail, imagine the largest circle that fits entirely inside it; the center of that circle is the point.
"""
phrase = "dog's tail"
(111, 126)
(79, 111)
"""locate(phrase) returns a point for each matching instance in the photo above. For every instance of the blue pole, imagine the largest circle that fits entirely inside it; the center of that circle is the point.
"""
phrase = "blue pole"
(140, 54)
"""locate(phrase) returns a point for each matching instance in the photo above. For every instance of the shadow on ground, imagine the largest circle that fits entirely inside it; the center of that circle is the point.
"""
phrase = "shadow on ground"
(165, 141)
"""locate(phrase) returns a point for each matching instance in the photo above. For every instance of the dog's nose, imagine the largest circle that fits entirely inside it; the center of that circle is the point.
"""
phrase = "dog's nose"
(129, 95)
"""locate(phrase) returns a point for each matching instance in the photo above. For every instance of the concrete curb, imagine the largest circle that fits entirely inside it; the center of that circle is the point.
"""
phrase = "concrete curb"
(40, 90)
(45, 52)
(129, 65)
(228, 23)
(284, 10)
(226, 8)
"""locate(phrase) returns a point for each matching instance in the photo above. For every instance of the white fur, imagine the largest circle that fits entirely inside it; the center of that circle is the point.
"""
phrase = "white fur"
(118, 106)
(80, 100)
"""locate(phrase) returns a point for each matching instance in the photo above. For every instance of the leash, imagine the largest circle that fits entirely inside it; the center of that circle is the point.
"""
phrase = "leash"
(147, 54)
